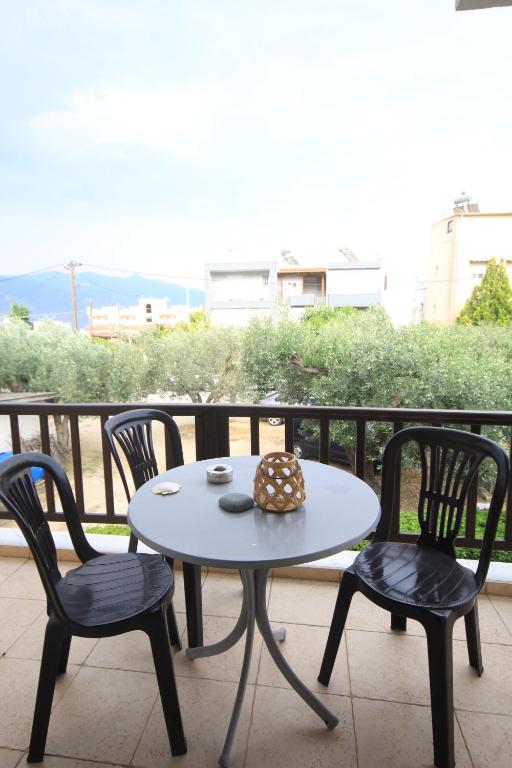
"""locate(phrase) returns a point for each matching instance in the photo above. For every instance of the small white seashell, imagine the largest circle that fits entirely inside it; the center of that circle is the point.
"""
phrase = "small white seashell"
(162, 489)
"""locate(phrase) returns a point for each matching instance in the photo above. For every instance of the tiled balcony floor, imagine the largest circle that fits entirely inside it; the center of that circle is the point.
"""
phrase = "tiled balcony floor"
(107, 710)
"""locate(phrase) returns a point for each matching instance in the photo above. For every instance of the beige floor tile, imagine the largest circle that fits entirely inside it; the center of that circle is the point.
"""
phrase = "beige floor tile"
(302, 602)
(286, 732)
(18, 684)
(489, 739)
(493, 691)
(15, 618)
(102, 715)
(51, 761)
(303, 649)
(131, 651)
(492, 627)
(9, 565)
(391, 735)
(504, 607)
(24, 583)
(222, 595)
(394, 667)
(9, 758)
(225, 666)
(30, 644)
(367, 616)
(388, 666)
(206, 707)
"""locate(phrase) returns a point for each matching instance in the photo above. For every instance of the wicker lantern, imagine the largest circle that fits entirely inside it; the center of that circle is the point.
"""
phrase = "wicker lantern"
(278, 482)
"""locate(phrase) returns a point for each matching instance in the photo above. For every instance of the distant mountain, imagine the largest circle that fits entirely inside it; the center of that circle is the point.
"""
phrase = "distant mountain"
(49, 293)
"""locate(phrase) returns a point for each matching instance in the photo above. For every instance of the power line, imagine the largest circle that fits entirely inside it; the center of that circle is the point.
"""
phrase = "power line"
(27, 274)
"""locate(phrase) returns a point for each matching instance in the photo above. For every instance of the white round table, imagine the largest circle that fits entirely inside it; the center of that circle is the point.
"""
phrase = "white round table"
(339, 511)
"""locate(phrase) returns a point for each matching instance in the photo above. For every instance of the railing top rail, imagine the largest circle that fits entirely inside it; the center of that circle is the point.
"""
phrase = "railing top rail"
(347, 413)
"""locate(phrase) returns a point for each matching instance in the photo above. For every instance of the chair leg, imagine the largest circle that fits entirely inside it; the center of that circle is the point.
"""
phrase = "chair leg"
(161, 648)
(132, 543)
(193, 604)
(173, 627)
(398, 623)
(473, 639)
(345, 593)
(440, 662)
(63, 661)
(54, 641)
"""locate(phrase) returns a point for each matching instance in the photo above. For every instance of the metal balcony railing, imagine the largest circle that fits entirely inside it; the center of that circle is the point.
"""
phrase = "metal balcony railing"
(212, 440)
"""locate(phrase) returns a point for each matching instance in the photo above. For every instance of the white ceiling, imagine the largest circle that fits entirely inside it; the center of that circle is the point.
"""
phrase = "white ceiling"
(471, 5)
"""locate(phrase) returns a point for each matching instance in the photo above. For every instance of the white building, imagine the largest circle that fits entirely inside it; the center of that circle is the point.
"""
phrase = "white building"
(112, 321)
(237, 292)
(357, 284)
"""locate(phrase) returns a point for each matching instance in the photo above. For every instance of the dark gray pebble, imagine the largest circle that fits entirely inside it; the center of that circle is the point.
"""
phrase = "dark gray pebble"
(236, 502)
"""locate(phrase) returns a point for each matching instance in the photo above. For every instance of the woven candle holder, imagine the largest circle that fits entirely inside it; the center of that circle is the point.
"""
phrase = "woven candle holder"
(278, 482)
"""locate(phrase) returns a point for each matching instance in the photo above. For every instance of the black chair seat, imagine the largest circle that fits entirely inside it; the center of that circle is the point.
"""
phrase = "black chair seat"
(111, 588)
(418, 576)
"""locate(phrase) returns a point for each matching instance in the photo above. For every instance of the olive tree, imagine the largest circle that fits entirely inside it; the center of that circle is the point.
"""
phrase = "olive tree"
(201, 362)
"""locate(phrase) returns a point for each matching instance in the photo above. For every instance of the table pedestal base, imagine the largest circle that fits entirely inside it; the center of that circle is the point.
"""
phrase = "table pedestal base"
(254, 610)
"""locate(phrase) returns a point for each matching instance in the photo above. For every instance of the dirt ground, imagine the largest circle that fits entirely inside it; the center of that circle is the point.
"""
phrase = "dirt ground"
(271, 439)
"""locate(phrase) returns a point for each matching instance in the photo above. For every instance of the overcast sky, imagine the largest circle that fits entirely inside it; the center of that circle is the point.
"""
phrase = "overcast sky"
(159, 134)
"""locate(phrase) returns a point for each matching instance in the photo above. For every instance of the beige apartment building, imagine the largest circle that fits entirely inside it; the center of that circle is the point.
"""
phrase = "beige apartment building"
(461, 246)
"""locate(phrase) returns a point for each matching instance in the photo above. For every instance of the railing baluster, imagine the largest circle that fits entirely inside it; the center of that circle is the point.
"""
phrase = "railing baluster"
(288, 434)
(15, 433)
(212, 435)
(255, 436)
(476, 429)
(324, 441)
(395, 517)
(45, 448)
(107, 474)
(508, 514)
(76, 453)
(360, 447)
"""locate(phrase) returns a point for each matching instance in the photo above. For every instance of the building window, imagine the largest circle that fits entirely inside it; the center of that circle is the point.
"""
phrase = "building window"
(148, 309)
(449, 226)
(312, 284)
(148, 319)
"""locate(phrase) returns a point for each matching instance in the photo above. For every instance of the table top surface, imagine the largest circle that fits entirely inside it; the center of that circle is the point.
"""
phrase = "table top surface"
(339, 511)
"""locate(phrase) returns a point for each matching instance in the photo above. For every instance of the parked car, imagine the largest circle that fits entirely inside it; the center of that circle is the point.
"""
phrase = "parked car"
(306, 445)
(273, 398)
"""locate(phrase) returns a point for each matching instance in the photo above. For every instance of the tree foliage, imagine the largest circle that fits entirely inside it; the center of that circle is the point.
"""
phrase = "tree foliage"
(491, 301)
(201, 363)
(20, 312)
(360, 359)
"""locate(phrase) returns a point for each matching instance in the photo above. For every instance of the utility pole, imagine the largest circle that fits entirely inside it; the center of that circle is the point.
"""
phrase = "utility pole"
(71, 265)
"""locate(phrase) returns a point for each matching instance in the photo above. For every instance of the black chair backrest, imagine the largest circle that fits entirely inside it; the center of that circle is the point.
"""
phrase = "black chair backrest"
(449, 460)
(20, 497)
(132, 430)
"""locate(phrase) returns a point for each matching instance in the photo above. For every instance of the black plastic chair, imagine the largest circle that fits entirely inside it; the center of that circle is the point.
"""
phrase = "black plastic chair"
(132, 431)
(423, 581)
(106, 596)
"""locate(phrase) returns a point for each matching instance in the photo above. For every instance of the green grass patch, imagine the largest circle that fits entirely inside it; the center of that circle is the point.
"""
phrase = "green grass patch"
(109, 530)
(409, 524)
